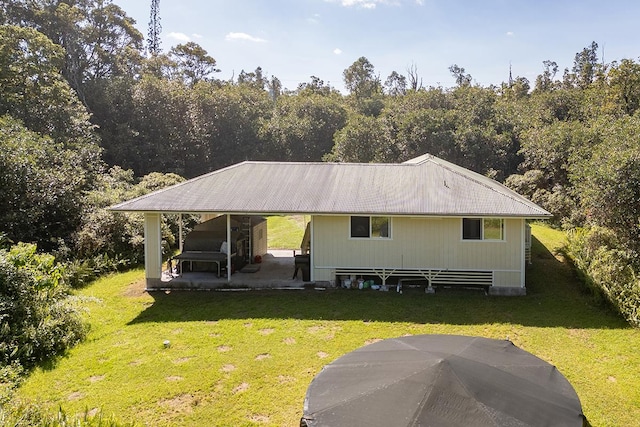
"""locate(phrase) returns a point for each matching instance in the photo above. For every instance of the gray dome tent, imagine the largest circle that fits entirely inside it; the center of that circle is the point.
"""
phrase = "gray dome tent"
(441, 380)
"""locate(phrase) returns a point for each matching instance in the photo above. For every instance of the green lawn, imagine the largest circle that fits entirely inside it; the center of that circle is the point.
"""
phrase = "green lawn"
(286, 232)
(246, 358)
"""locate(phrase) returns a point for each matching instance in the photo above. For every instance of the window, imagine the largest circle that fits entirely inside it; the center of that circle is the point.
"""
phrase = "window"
(482, 229)
(370, 227)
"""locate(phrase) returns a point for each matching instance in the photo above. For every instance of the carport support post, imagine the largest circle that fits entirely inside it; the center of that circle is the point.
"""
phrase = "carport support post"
(229, 249)
(152, 250)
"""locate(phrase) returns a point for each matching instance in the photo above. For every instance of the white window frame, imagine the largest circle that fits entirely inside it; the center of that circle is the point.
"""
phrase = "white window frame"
(370, 236)
(482, 227)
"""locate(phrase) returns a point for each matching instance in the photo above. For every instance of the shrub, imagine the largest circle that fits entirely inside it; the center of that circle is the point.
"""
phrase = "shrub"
(38, 318)
(609, 271)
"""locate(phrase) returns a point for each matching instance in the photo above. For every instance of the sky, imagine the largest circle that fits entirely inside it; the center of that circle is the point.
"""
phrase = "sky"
(296, 39)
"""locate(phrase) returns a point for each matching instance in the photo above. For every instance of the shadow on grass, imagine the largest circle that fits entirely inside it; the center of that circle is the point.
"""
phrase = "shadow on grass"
(554, 299)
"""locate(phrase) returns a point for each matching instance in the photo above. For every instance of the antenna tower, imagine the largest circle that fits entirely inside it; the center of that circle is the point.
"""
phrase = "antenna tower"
(153, 43)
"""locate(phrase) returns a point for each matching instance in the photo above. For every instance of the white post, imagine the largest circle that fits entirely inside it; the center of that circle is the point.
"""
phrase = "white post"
(180, 239)
(523, 243)
(229, 250)
(311, 250)
(152, 249)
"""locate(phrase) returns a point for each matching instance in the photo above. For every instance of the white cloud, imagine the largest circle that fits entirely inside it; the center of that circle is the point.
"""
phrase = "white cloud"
(509, 33)
(367, 4)
(179, 36)
(243, 36)
(337, 51)
(197, 36)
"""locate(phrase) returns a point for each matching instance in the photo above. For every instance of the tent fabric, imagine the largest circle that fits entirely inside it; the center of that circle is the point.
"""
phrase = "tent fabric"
(441, 380)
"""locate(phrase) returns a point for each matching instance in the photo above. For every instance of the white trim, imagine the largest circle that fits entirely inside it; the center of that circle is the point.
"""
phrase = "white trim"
(482, 239)
(370, 238)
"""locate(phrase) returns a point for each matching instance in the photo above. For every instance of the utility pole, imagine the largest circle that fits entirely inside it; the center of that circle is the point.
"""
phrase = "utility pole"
(153, 43)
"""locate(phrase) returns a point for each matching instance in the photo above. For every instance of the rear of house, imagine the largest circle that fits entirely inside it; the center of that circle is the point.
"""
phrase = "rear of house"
(425, 219)
(473, 250)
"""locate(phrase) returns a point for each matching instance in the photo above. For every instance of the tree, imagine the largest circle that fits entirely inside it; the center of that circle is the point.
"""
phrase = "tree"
(42, 184)
(364, 139)
(254, 79)
(458, 73)
(317, 86)
(545, 82)
(607, 179)
(415, 82)
(98, 38)
(364, 86)
(193, 63)
(360, 79)
(585, 65)
(226, 123)
(624, 82)
(303, 126)
(396, 84)
(33, 90)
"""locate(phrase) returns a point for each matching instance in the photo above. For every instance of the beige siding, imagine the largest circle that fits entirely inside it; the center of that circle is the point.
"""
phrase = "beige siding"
(416, 243)
(259, 241)
(507, 278)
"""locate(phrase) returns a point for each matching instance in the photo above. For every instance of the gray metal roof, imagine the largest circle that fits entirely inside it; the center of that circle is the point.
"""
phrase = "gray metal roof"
(422, 186)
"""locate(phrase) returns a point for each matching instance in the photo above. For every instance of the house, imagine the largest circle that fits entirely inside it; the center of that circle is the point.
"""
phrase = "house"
(425, 219)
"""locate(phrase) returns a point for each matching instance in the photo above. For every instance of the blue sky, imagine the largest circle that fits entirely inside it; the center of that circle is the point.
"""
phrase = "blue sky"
(293, 40)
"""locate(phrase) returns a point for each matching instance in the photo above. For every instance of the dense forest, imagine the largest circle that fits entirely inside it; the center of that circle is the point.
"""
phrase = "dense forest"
(91, 114)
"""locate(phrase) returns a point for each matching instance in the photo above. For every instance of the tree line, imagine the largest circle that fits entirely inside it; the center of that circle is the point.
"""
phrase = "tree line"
(89, 118)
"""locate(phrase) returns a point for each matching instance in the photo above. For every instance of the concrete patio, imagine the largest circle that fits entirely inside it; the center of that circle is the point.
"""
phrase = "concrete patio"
(274, 272)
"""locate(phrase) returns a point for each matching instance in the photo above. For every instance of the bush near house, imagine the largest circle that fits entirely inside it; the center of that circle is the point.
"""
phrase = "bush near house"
(608, 271)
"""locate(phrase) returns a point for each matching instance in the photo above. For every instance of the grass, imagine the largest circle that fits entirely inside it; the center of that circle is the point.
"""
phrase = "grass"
(285, 232)
(246, 358)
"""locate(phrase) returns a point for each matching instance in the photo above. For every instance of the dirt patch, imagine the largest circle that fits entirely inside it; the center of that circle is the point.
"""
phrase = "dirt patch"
(322, 354)
(96, 378)
(242, 387)
(224, 348)
(315, 329)
(372, 340)
(75, 396)
(248, 325)
(93, 412)
(228, 368)
(266, 331)
(182, 403)
(259, 419)
(283, 379)
(182, 360)
(612, 379)
(135, 363)
(174, 378)
(263, 356)
(289, 341)
(136, 289)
